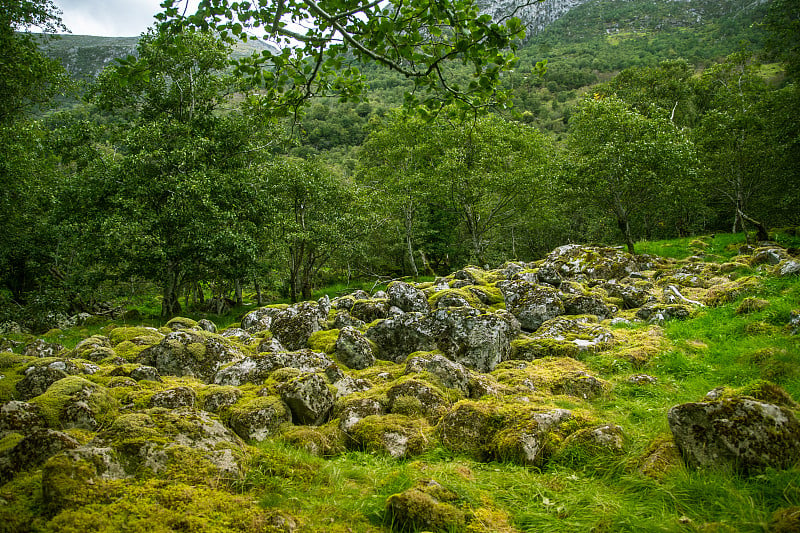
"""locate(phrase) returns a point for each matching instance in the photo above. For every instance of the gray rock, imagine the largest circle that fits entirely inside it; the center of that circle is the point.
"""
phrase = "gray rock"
(223, 397)
(207, 325)
(42, 348)
(352, 411)
(789, 267)
(587, 305)
(20, 416)
(145, 372)
(260, 418)
(35, 448)
(353, 349)
(531, 304)
(415, 398)
(270, 345)
(309, 399)
(95, 348)
(448, 373)
(740, 433)
(342, 319)
(655, 313)
(633, 295)
(257, 368)
(196, 354)
(238, 334)
(407, 297)
(259, 319)
(37, 380)
(370, 310)
(473, 339)
(400, 336)
(174, 398)
(294, 325)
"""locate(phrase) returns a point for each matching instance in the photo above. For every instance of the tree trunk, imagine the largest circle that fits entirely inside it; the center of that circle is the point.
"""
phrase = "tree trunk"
(410, 252)
(259, 298)
(625, 227)
(170, 306)
(238, 291)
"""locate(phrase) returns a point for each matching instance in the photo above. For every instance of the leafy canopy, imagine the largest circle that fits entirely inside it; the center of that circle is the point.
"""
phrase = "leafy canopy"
(323, 41)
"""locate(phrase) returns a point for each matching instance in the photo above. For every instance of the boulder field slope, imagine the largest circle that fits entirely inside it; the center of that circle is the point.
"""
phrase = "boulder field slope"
(488, 365)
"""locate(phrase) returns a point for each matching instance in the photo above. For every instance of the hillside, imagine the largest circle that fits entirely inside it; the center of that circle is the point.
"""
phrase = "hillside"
(592, 390)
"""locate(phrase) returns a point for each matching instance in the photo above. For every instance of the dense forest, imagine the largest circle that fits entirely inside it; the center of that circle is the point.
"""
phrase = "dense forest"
(203, 175)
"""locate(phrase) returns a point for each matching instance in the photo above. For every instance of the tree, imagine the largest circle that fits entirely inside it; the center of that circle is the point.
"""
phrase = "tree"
(628, 163)
(414, 38)
(732, 135)
(186, 199)
(317, 217)
(27, 77)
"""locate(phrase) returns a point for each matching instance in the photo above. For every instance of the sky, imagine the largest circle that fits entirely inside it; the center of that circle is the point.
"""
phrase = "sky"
(111, 18)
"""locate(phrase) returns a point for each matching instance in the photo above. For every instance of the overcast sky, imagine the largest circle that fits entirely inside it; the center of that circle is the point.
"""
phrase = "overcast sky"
(111, 18)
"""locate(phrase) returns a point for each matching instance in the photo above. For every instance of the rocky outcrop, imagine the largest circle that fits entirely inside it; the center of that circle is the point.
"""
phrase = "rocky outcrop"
(737, 433)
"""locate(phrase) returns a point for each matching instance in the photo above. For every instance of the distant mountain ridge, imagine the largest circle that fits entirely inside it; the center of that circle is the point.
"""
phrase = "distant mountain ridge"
(85, 56)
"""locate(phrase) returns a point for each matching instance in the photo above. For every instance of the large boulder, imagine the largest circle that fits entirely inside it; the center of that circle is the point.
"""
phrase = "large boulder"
(447, 373)
(294, 325)
(407, 297)
(396, 435)
(573, 261)
(427, 506)
(74, 402)
(33, 449)
(737, 433)
(42, 348)
(259, 418)
(20, 416)
(399, 336)
(309, 398)
(257, 368)
(476, 340)
(531, 304)
(259, 319)
(353, 349)
(190, 353)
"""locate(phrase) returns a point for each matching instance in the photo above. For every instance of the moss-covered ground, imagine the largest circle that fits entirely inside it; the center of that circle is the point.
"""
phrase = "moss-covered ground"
(744, 345)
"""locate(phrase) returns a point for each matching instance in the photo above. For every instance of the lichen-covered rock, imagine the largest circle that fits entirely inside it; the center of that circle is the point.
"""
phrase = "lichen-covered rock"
(531, 304)
(427, 506)
(789, 267)
(397, 337)
(584, 304)
(660, 457)
(128, 342)
(270, 345)
(37, 380)
(396, 435)
(343, 318)
(633, 293)
(528, 441)
(179, 322)
(207, 325)
(769, 255)
(370, 310)
(144, 372)
(259, 418)
(32, 450)
(220, 397)
(593, 262)
(353, 349)
(309, 399)
(196, 354)
(20, 416)
(407, 297)
(174, 398)
(474, 339)
(737, 432)
(257, 368)
(351, 411)
(322, 441)
(294, 325)
(238, 334)
(587, 444)
(158, 440)
(259, 319)
(415, 398)
(74, 402)
(95, 348)
(42, 348)
(469, 427)
(447, 373)
(562, 337)
(655, 313)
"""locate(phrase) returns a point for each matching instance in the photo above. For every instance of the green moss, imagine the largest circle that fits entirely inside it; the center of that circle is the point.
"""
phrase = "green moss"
(324, 341)
(425, 506)
(323, 441)
(20, 510)
(463, 292)
(528, 349)
(10, 440)
(52, 403)
(728, 292)
(397, 435)
(141, 336)
(660, 457)
(68, 483)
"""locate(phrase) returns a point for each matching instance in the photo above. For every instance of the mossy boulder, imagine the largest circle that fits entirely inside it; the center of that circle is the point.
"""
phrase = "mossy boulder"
(661, 456)
(573, 261)
(353, 349)
(415, 398)
(407, 297)
(442, 370)
(198, 354)
(257, 368)
(469, 427)
(658, 313)
(259, 319)
(309, 398)
(33, 449)
(42, 348)
(397, 337)
(426, 506)
(164, 441)
(74, 402)
(324, 441)
(351, 410)
(563, 336)
(589, 444)
(729, 291)
(553, 375)
(370, 310)
(295, 324)
(214, 398)
(633, 293)
(37, 380)
(531, 304)
(479, 341)
(529, 441)
(259, 418)
(20, 416)
(174, 398)
(396, 435)
(737, 433)
(95, 348)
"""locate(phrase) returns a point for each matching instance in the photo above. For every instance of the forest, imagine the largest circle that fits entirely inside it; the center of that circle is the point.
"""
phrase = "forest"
(182, 171)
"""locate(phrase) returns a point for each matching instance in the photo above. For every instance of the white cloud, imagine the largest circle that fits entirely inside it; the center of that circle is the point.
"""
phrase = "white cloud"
(112, 18)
